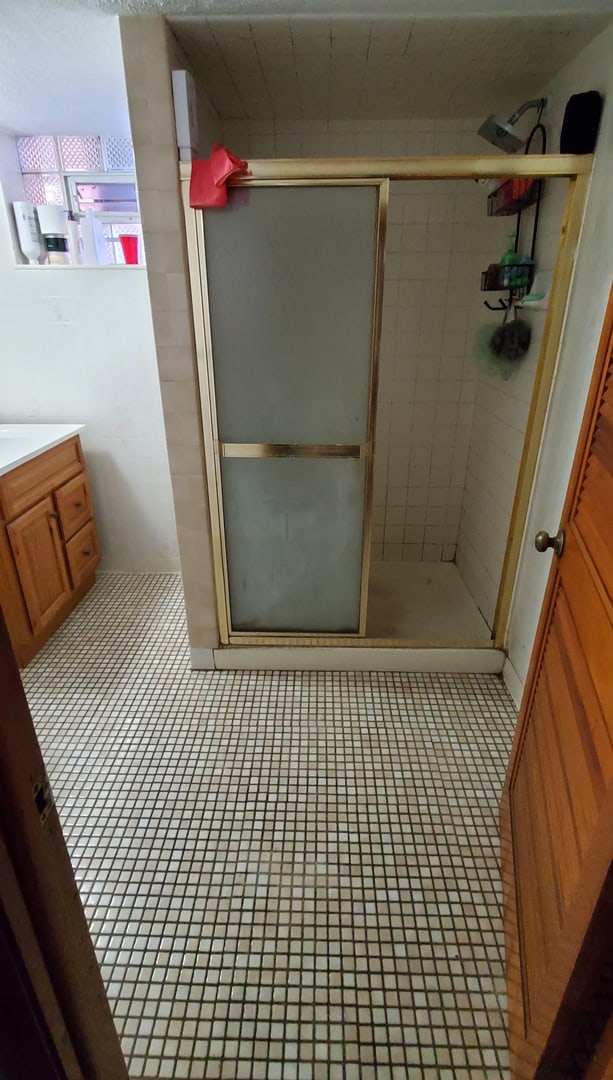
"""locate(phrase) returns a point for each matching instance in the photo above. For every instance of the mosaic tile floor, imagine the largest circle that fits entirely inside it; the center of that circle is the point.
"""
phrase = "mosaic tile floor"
(286, 875)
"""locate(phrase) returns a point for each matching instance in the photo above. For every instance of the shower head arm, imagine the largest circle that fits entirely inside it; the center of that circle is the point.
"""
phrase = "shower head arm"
(536, 103)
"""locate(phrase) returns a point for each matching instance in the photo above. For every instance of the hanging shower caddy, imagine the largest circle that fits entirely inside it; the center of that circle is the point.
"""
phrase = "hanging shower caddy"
(512, 197)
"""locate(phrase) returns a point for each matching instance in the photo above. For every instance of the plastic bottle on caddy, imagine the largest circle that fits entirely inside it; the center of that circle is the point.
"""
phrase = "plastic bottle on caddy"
(508, 262)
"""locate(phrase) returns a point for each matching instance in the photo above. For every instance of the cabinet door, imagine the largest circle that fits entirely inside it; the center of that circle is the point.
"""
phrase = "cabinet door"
(37, 548)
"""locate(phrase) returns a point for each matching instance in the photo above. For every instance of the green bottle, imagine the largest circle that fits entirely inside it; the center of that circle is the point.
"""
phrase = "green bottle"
(509, 259)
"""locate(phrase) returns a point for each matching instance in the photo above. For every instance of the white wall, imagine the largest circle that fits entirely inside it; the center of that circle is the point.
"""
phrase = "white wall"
(77, 345)
(61, 70)
(591, 70)
(209, 130)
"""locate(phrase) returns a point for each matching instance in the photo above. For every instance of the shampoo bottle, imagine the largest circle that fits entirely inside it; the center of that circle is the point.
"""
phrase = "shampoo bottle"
(508, 260)
(27, 231)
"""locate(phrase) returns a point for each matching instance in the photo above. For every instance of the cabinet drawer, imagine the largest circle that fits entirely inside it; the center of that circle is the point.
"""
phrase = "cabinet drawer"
(83, 553)
(29, 483)
(74, 506)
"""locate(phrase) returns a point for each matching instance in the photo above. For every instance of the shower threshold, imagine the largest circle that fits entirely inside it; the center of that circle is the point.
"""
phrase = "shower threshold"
(421, 618)
(479, 660)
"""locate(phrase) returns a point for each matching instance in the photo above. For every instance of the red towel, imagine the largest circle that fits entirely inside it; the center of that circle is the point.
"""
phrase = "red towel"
(210, 175)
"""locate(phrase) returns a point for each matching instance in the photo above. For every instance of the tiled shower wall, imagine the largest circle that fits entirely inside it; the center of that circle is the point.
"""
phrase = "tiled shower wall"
(438, 241)
(500, 418)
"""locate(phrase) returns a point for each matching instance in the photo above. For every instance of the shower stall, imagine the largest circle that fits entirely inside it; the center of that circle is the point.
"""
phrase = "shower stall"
(340, 396)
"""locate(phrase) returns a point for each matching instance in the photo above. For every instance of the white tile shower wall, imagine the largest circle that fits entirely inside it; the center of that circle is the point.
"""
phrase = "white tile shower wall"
(501, 409)
(438, 241)
(77, 346)
(353, 138)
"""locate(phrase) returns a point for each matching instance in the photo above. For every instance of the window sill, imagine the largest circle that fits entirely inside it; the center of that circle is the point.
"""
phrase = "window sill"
(70, 266)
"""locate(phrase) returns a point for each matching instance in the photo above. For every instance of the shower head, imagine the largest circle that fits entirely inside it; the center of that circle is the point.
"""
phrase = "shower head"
(502, 133)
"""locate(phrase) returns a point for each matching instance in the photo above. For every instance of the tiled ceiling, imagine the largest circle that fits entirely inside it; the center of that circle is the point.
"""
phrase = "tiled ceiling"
(289, 68)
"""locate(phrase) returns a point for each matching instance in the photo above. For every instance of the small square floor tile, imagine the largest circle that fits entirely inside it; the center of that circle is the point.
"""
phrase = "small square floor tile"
(289, 875)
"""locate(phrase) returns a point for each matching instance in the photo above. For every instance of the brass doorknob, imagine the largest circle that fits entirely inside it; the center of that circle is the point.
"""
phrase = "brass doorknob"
(543, 540)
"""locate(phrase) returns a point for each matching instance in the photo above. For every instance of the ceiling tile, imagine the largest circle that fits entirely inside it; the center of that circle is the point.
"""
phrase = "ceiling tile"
(377, 68)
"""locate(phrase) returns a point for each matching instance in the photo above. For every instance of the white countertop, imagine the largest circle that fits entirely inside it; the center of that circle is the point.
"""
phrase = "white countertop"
(22, 442)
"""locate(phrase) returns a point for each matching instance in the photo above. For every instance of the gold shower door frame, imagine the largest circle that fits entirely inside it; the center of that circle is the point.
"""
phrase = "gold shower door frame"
(215, 449)
(378, 172)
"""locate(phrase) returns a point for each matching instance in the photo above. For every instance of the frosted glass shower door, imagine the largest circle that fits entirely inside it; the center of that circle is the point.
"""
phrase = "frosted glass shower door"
(291, 277)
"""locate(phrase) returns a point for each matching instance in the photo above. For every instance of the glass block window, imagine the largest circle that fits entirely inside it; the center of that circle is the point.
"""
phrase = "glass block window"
(37, 153)
(85, 173)
(106, 198)
(44, 188)
(118, 154)
(112, 243)
(80, 153)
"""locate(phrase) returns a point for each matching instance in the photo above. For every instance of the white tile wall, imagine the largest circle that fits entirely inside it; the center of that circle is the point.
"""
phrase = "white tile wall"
(346, 138)
(499, 425)
(428, 374)
(77, 346)
(150, 52)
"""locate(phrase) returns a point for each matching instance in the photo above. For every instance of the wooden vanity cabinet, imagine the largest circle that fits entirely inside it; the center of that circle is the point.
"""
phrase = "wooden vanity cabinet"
(49, 546)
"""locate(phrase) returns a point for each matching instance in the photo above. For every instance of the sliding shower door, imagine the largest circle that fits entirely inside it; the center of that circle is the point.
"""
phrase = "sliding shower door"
(291, 306)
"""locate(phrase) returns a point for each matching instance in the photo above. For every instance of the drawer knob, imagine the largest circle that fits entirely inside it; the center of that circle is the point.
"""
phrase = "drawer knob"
(78, 505)
(87, 552)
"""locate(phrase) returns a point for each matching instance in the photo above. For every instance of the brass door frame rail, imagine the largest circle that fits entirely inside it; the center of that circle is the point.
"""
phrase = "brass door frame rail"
(356, 451)
(216, 449)
(379, 171)
(437, 167)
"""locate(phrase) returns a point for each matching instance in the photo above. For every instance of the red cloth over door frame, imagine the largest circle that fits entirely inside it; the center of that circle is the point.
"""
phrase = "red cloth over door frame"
(210, 175)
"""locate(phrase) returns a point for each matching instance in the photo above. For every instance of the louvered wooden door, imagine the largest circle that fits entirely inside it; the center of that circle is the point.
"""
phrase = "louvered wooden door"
(557, 810)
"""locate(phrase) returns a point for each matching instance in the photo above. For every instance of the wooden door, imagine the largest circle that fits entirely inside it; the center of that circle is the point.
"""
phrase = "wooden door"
(557, 808)
(39, 556)
(26, 1044)
(40, 901)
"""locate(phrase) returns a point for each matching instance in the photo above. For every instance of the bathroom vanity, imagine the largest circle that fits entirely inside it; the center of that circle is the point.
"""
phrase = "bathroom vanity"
(49, 546)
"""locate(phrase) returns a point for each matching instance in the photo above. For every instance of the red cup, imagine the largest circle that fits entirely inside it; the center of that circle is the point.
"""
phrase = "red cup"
(129, 246)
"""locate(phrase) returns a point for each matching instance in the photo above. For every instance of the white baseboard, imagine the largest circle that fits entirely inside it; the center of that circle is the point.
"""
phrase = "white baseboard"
(202, 659)
(476, 661)
(163, 565)
(512, 682)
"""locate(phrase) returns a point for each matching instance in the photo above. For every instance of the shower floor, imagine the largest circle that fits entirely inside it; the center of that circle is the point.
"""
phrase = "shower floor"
(423, 601)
